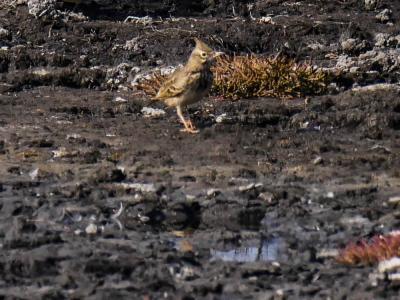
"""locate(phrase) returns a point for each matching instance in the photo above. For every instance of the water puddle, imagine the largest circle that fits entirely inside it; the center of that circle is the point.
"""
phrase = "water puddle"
(266, 250)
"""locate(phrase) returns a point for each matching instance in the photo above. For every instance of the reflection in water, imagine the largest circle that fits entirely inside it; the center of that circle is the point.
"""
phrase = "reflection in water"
(267, 250)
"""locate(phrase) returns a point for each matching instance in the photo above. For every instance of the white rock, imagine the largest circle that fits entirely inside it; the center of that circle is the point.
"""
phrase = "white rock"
(328, 253)
(370, 4)
(150, 112)
(73, 136)
(356, 220)
(140, 187)
(394, 200)
(34, 173)
(212, 192)
(389, 264)
(39, 8)
(4, 33)
(349, 44)
(245, 188)
(394, 277)
(132, 45)
(60, 152)
(381, 39)
(120, 99)
(91, 229)
(317, 160)
(221, 118)
(330, 195)
(384, 15)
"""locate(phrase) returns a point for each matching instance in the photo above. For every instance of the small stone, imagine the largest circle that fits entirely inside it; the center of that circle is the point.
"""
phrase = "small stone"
(143, 218)
(266, 196)
(328, 253)
(354, 69)
(349, 44)
(354, 221)
(246, 188)
(370, 4)
(190, 197)
(213, 192)
(221, 118)
(39, 8)
(318, 160)
(330, 195)
(384, 16)
(120, 99)
(60, 152)
(73, 136)
(91, 229)
(4, 33)
(150, 112)
(266, 20)
(140, 187)
(394, 200)
(279, 293)
(381, 39)
(34, 173)
(389, 264)
(394, 277)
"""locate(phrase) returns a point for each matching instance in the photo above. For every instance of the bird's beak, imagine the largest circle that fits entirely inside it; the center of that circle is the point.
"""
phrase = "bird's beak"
(217, 53)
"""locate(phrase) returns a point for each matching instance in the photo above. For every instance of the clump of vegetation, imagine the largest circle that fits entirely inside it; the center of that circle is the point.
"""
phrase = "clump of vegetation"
(379, 248)
(252, 76)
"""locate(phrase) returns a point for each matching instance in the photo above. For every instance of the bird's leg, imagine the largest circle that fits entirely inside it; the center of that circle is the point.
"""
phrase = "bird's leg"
(188, 124)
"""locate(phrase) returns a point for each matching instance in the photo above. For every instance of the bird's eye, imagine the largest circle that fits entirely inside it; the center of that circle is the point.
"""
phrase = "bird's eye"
(203, 54)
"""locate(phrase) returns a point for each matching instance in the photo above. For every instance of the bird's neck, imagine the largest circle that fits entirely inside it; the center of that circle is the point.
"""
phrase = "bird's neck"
(195, 64)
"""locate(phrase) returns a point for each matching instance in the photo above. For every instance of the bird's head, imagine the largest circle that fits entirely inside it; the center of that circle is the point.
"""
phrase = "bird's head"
(203, 54)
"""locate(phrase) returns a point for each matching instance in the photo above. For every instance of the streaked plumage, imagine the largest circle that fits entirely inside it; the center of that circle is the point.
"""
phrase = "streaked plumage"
(190, 83)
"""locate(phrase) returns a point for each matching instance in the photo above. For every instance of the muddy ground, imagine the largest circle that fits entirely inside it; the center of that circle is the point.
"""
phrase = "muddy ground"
(100, 202)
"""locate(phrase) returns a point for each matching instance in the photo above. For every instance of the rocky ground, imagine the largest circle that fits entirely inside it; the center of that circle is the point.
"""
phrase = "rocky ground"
(100, 200)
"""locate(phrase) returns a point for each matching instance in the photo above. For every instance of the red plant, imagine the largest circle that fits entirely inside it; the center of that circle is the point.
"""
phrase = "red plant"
(378, 248)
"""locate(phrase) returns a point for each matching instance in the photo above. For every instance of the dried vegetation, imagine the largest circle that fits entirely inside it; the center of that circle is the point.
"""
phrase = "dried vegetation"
(379, 248)
(252, 76)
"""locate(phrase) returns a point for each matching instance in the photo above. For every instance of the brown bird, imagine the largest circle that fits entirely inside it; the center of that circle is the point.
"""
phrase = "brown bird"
(189, 84)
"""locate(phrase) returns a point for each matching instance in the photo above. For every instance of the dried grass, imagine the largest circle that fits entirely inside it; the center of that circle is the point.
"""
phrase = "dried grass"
(379, 248)
(252, 76)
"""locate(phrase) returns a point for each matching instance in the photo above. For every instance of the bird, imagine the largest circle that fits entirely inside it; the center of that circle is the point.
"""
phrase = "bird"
(190, 83)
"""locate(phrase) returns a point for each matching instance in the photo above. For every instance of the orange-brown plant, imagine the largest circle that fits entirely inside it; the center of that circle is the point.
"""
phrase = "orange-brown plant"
(378, 248)
(252, 76)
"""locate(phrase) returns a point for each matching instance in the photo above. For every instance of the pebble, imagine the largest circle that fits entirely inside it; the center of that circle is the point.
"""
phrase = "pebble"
(150, 112)
(370, 4)
(91, 229)
(317, 160)
(394, 200)
(213, 192)
(34, 173)
(120, 99)
(389, 264)
(384, 15)
(328, 253)
(245, 188)
(4, 33)
(141, 187)
(221, 118)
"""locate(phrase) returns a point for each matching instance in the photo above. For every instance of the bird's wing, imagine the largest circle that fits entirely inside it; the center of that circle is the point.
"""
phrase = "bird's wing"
(177, 84)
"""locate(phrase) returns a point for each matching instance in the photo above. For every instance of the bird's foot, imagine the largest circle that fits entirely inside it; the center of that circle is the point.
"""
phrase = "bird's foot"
(189, 127)
(190, 130)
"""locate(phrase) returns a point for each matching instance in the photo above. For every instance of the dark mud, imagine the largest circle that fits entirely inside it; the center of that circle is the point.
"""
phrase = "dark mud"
(100, 202)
